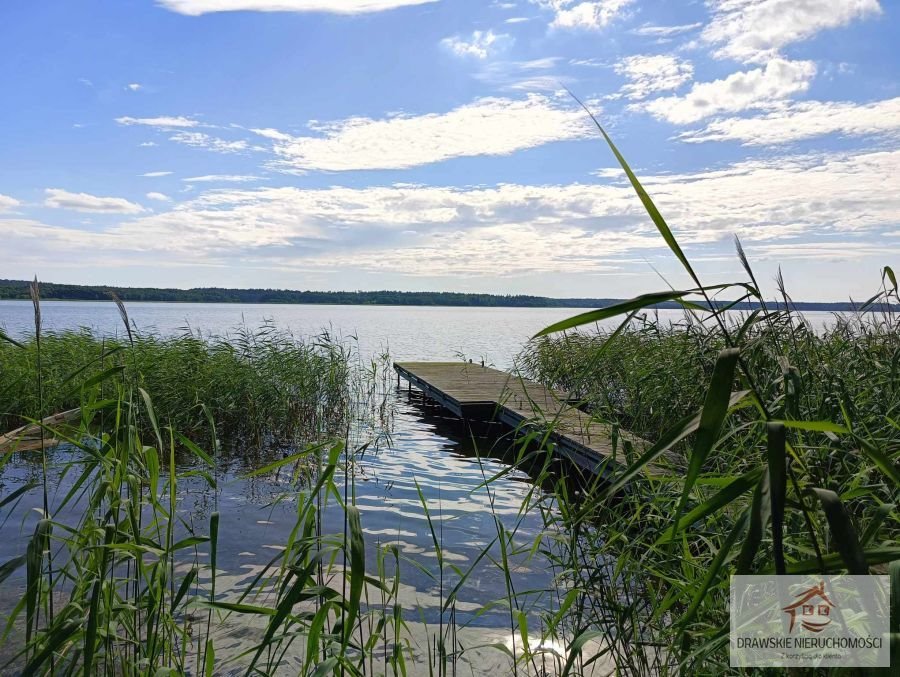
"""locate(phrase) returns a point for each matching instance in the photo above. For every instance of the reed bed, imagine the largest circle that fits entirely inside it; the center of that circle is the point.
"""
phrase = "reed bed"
(257, 386)
(773, 448)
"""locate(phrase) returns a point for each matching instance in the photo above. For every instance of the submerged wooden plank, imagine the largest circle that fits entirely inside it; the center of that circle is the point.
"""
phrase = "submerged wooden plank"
(473, 391)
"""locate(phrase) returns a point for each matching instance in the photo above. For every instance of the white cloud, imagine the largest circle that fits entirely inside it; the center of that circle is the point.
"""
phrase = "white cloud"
(198, 7)
(804, 120)
(227, 178)
(161, 197)
(819, 251)
(653, 73)
(154, 175)
(207, 142)
(589, 63)
(134, 87)
(777, 206)
(83, 202)
(757, 88)
(480, 45)
(164, 121)
(649, 30)
(489, 126)
(8, 203)
(533, 75)
(593, 15)
(756, 30)
(517, 19)
(147, 144)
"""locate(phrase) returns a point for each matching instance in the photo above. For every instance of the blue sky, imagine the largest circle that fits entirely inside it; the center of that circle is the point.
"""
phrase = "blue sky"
(430, 144)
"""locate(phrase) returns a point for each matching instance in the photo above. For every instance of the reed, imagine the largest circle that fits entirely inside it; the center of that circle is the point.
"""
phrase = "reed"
(782, 458)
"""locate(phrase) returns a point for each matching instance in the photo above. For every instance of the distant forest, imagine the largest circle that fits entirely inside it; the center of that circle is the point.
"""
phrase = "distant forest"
(18, 289)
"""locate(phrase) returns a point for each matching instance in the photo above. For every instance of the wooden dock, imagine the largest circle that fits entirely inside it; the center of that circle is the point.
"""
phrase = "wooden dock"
(471, 391)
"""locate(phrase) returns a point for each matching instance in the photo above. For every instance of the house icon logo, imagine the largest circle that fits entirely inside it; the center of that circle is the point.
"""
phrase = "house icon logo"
(811, 610)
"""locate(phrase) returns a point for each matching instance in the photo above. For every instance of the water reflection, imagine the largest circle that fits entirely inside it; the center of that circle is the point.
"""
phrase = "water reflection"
(430, 452)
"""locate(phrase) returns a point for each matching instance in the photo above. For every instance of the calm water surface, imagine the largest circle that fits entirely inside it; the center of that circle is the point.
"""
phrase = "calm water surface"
(407, 332)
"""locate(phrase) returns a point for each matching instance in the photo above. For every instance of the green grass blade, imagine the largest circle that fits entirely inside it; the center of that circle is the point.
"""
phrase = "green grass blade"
(643, 301)
(6, 337)
(651, 209)
(9, 566)
(777, 459)
(842, 531)
(732, 491)
(576, 647)
(357, 570)
(713, 571)
(670, 438)
(712, 416)
(760, 511)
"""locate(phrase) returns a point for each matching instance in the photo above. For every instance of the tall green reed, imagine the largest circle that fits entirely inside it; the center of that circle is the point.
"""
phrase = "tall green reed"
(783, 458)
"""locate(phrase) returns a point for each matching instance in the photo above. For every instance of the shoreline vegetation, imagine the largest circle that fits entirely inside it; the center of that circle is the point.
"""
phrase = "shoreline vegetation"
(774, 450)
(19, 290)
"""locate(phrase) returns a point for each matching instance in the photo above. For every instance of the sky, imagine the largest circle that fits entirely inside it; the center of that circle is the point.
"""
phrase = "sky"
(433, 145)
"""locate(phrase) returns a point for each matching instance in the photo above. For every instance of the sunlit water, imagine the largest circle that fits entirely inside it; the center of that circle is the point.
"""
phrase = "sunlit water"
(406, 332)
(427, 447)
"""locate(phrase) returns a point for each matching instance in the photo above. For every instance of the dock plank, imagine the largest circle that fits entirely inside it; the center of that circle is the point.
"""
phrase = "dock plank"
(473, 391)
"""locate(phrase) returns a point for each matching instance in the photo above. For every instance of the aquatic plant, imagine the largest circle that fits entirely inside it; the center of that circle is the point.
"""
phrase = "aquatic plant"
(774, 449)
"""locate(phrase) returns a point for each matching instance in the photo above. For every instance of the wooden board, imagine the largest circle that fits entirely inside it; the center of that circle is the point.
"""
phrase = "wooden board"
(472, 391)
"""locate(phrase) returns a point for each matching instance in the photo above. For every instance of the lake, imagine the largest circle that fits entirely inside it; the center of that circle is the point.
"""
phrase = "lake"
(406, 332)
(428, 447)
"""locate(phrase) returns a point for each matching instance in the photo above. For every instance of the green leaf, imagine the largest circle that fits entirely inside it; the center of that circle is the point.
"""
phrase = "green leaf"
(210, 659)
(188, 542)
(238, 608)
(651, 209)
(99, 378)
(611, 311)
(18, 492)
(842, 532)
(713, 571)
(293, 458)
(881, 513)
(11, 565)
(878, 458)
(183, 589)
(712, 416)
(357, 569)
(723, 497)
(194, 449)
(815, 426)
(152, 415)
(6, 337)
(835, 561)
(325, 667)
(58, 635)
(777, 460)
(669, 439)
(889, 272)
(759, 517)
(577, 646)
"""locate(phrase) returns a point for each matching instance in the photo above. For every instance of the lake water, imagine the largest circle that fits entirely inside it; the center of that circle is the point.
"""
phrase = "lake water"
(406, 332)
(427, 447)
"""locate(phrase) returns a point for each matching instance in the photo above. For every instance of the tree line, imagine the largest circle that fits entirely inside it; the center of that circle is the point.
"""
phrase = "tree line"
(18, 289)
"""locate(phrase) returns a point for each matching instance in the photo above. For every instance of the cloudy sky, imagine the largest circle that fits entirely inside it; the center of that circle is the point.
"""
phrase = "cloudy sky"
(430, 144)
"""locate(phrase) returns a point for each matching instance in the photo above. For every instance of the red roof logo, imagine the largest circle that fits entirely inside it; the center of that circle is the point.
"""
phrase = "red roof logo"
(812, 610)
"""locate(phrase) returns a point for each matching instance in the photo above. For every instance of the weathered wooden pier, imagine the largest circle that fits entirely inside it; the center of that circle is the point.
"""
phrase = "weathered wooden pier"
(472, 391)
